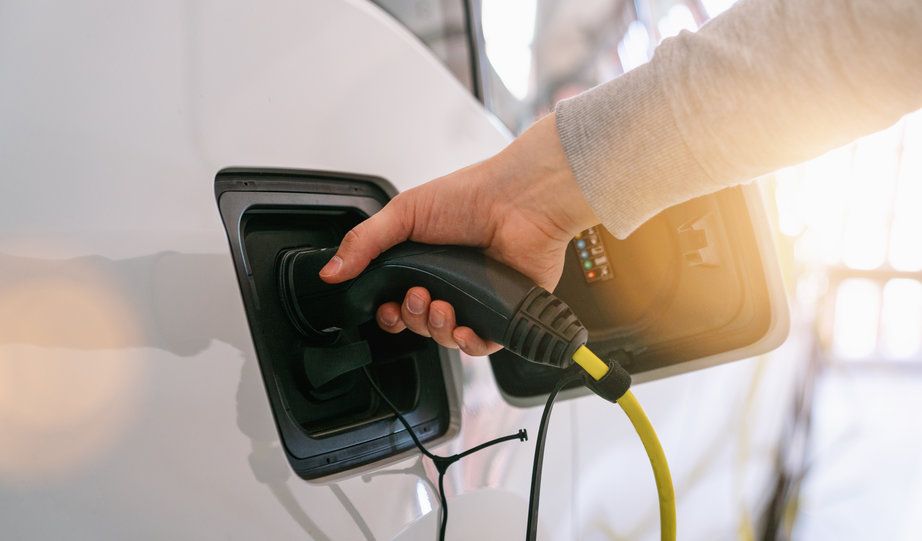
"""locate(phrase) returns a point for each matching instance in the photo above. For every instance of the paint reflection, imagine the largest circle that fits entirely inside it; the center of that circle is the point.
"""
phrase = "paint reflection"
(73, 335)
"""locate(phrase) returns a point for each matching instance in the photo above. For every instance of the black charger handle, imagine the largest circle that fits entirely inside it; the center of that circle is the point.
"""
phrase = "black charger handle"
(494, 300)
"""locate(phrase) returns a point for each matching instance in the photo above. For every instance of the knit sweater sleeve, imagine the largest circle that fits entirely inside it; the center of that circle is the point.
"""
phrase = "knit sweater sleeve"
(766, 84)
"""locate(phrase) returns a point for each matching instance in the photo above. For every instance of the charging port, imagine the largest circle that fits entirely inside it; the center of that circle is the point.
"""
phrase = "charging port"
(340, 423)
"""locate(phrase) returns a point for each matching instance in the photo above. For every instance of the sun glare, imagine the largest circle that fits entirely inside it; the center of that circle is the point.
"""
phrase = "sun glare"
(855, 212)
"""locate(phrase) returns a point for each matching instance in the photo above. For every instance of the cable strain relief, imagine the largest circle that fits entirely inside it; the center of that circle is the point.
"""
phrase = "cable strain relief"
(613, 384)
(443, 462)
(545, 330)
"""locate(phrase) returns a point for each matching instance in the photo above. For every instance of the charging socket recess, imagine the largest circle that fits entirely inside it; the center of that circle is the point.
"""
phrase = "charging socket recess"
(689, 285)
(342, 424)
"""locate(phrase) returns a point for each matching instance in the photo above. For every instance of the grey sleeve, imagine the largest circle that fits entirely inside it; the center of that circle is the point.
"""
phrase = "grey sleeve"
(766, 84)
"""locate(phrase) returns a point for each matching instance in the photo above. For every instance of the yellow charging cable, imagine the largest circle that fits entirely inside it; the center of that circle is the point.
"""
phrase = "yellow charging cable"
(597, 368)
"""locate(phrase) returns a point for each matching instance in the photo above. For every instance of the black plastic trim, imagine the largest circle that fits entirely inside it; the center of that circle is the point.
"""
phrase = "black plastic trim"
(240, 191)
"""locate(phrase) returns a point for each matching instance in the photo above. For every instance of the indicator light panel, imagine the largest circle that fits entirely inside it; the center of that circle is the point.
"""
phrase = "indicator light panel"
(592, 255)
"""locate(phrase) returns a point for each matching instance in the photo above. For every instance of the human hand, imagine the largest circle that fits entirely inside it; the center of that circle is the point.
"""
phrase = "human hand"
(522, 206)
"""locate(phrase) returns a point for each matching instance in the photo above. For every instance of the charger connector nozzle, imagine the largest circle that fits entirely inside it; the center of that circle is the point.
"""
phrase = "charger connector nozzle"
(496, 301)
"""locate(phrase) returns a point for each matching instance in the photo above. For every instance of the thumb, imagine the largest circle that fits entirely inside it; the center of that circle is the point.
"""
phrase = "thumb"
(366, 241)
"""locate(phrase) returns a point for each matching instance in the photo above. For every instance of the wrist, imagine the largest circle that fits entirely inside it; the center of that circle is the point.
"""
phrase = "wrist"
(539, 177)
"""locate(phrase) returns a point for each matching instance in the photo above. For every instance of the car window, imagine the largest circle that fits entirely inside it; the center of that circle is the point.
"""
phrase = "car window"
(522, 57)
(537, 52)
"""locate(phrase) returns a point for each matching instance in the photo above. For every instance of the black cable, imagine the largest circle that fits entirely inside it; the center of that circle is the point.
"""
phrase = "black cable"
(572, 375)
(441, 462)
(521, 435)
(443, 527)
(400, 417)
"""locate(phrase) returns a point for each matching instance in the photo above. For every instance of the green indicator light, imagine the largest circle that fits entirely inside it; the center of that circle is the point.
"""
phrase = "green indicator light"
(587, 265)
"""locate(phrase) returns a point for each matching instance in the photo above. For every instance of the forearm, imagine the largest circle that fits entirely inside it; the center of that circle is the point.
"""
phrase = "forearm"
(767, 84)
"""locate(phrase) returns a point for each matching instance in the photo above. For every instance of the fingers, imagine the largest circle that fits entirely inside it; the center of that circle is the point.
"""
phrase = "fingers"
(472, 344)
(388, 317)
(442, 323)
(366, 241)
(426, 317)
(420, 315)
(415, 310)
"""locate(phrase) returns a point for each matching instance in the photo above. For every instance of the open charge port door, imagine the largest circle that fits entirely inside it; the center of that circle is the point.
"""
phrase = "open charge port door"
(696, 285)
(339, 424)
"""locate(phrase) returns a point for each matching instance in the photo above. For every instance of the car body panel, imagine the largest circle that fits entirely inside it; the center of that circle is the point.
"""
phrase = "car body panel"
(131, 405)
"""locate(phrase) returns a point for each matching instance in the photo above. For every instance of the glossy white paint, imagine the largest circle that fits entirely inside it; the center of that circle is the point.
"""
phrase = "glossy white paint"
(130, 401)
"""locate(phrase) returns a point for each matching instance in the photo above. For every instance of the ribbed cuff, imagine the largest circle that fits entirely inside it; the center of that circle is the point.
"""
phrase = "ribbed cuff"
(627, 155)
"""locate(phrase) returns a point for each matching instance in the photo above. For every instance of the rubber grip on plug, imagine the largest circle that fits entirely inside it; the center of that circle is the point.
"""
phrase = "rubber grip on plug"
(545, 330)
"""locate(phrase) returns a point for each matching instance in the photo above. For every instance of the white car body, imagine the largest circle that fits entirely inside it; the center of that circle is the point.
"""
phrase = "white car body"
(131, 405)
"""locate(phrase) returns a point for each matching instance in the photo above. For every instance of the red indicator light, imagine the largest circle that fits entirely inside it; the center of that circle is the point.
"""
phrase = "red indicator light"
(591, 274)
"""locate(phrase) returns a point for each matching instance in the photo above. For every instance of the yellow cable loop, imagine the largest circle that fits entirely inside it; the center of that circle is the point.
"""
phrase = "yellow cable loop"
(651, 444)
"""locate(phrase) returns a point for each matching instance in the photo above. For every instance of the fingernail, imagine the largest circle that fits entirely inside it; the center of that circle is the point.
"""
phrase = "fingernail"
(332, 267)
(416, 304)
(389, 319)
(436, 318)
(461, 343)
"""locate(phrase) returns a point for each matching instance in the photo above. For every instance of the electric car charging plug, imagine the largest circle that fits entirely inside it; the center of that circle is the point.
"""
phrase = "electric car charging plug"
(499, 304)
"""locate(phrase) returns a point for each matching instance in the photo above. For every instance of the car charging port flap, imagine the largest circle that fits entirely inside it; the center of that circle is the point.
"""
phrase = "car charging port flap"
(330, 419)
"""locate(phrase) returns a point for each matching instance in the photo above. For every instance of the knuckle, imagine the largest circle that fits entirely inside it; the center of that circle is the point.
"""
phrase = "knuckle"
(352, 237)
(397, 201)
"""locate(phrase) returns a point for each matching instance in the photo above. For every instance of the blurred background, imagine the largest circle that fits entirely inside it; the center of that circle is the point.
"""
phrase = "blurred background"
(847, 458)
